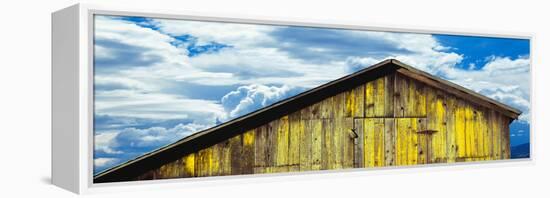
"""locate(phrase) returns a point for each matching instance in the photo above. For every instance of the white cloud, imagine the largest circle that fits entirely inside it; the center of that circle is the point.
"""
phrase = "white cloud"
(130, 103)
(103, 162)
(110, 30)
(103, 142)
(227, 33)
(153, 137)
(252, 97)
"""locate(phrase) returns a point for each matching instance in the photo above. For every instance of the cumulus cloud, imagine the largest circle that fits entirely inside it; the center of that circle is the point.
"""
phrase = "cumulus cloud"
(252, 97)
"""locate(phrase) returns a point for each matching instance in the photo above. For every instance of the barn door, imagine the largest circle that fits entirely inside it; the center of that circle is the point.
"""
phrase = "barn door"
(391, 141)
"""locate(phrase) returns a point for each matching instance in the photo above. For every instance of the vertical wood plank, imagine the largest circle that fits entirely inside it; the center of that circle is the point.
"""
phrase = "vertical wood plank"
(399, 96)
(316, 128)
(327, 160)
(402, 127)
(389, 95)
(215, 160)
(369, 130)
(412, 97)
(424, 147)
(305, 130)
(358, 108)
(460, 129)
(451, 128)
(505, 138)
(260, 150)
(248, 152)
(485, 134)
(496, 135)
(432, 119)
(282, 142)
(350, 100)
(469, 131)
(347, 143)
(236, 155)
(189, 165)
(379, 142)
(412, 149)
(326, 107)
(490, 136)
(369, 99)
(437, 120)
(389, 141)
(420, 100)
(337, 143)
(225, 164)
(295, 132)
(359, 143)
(379, 97)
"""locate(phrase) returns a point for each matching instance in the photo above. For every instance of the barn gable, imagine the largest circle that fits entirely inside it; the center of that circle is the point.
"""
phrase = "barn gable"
(389, 114)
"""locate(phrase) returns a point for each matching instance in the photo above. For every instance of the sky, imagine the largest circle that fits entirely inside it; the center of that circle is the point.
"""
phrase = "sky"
(159, 80)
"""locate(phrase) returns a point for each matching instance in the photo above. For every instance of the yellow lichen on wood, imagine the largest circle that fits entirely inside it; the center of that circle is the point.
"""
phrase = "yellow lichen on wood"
(412, 150)
(389, 92)
(402, 141)
(368, 142)
(337, 144)
(348, 143)
(412, 97)
(359, 105)
(248, 138)
(389, 141)
(248, 156)
(282, 142)
(469, 131)
(320, 136)
(296, 129)
(350, 108)
(496, 136)
(379, 98)
(379, 142)
(485, 135)
(189, 164)
(439, 138)
(305, 153)
(369, 99)
(451, 129)
(460, 127)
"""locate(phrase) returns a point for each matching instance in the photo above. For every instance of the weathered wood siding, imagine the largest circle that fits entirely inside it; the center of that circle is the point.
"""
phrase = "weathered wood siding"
(391, 121)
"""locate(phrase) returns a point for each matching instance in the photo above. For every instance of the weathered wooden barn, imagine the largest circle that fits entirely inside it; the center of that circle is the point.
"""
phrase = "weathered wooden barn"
(389, 114)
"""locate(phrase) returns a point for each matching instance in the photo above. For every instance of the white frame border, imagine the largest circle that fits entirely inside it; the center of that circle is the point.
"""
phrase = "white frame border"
(85, 111)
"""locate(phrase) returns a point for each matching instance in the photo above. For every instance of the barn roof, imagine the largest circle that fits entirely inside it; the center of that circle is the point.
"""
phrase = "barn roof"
(208, 137)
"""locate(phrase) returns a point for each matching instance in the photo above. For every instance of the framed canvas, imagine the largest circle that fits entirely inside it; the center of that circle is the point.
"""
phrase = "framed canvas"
(163, 98)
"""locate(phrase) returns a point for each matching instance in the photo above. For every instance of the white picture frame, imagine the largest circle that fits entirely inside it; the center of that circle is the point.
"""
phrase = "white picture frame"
(72, 98)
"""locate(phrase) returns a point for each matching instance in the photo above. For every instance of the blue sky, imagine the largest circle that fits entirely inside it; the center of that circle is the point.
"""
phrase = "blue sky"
(159, 80)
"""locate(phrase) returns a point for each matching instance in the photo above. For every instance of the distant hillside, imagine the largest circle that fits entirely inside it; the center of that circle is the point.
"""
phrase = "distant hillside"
(520, 151)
